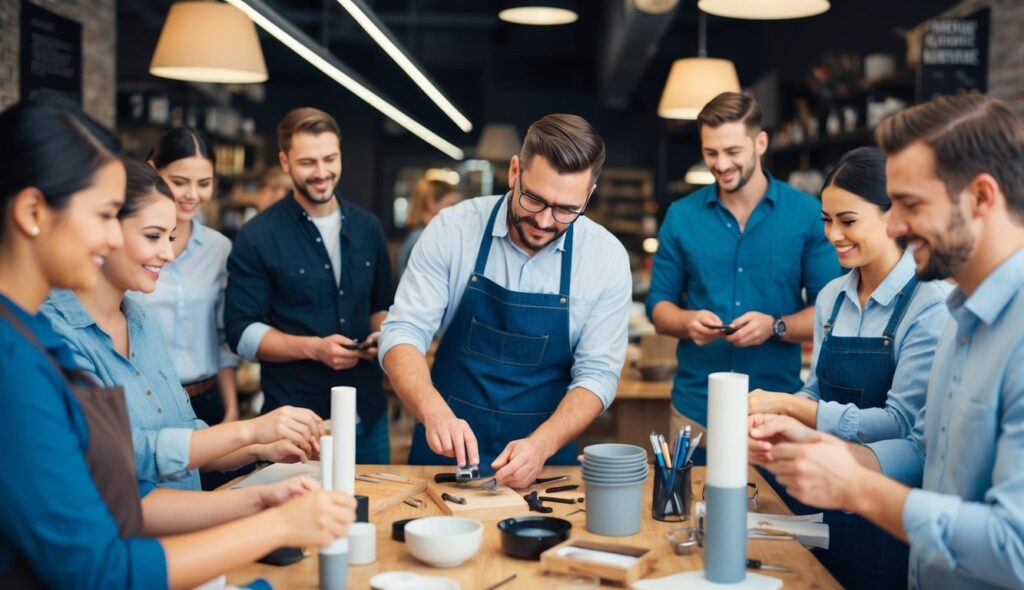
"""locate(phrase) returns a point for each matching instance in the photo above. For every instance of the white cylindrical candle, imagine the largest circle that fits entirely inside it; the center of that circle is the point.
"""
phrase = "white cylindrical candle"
(727, 430)
(327, 462)
(343, 432)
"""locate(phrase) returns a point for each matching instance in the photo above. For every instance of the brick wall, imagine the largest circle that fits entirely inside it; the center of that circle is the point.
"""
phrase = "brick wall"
(1006, 51)
(99, 38)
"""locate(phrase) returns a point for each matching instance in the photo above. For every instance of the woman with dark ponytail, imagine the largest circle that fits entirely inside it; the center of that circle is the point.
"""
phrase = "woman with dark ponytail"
(875, 333)
(189, 297)
(74, 515)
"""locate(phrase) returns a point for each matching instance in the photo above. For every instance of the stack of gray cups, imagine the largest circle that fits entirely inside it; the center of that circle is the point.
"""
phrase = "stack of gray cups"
(615, 475)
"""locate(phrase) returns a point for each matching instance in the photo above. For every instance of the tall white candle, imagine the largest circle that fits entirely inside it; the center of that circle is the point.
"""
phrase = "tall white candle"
(327, 462)
(343, 431)
(727, 430)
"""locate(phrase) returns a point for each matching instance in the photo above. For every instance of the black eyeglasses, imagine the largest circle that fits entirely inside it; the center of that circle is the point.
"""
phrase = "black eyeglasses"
(535, 204)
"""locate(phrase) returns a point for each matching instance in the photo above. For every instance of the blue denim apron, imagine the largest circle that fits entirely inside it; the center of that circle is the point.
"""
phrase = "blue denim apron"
(505, 362)
(858, 370)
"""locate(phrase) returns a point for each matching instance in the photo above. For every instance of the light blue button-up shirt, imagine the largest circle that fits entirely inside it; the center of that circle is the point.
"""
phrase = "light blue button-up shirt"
(966, 523)
(188, 303)
(916, 337)
(443, 260)
(160, 413)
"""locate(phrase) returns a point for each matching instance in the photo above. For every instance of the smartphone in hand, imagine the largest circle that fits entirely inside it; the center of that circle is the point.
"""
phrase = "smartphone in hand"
(724, 329)
(360, 344)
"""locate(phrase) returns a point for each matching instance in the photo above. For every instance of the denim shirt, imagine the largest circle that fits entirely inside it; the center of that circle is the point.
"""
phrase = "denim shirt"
(966, 523)
(52, 515)
(913, 348)
(159, 410)
(704, 261)
(280, 276)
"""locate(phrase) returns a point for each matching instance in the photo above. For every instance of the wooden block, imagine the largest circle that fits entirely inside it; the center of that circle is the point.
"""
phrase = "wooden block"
(480, 504)
(552, 562)
(386, 494)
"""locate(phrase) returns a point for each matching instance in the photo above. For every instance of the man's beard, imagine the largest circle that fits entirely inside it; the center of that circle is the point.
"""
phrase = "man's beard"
(945, 257)
(300, 187)
(745, 175)
(517, 224)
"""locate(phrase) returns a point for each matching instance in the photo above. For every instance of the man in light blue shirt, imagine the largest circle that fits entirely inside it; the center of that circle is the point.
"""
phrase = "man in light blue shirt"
(532, 303)
(956, 177)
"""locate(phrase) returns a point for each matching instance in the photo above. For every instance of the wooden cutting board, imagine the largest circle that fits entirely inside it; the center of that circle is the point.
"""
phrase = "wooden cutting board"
(480, 504)
(387, 493)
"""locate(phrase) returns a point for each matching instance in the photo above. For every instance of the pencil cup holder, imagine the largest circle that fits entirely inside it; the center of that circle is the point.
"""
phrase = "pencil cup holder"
(673, 493)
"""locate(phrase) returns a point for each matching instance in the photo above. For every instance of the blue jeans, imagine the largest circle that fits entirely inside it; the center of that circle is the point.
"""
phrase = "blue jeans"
(373, 444)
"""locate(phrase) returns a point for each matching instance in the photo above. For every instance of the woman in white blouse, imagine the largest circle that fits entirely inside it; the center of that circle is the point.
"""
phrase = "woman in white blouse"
(189, 296)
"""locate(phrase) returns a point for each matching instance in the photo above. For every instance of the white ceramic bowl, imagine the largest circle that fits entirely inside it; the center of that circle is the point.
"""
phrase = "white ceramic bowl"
(443, 541)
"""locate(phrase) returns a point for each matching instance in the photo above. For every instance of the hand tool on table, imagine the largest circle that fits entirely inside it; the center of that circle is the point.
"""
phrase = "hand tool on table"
(557, 489)
(502, 582)
(535, 504)
(463, 473)
(414, 502)
(560, 500)
(450, 498)
(757, 564)
(368, 479)
(389, 477)
(541, 480)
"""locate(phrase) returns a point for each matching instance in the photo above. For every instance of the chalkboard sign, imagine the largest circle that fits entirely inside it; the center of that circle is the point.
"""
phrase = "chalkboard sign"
(51, 54)
(954, 55)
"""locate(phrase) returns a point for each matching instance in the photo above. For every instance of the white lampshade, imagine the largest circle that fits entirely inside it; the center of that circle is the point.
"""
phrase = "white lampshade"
(208, 42)
(538, 12)
(694, 81)
(698, 174)
(764, 9)
(656, 6)
(498, 142)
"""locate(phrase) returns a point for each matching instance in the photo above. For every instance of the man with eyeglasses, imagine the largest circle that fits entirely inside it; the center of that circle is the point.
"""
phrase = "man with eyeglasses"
(532, 303)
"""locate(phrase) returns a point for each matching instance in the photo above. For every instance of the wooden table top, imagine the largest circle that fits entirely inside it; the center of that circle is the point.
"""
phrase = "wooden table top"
(490, 565)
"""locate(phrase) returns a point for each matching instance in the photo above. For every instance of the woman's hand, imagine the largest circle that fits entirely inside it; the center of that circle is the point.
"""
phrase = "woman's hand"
(298, 425)
(316, 518)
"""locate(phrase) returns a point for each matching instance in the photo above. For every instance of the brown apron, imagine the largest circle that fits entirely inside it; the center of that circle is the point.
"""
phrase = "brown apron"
(110, 457)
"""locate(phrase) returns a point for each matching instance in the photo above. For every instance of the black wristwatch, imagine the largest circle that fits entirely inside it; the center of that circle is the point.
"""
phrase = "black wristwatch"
(779, 329)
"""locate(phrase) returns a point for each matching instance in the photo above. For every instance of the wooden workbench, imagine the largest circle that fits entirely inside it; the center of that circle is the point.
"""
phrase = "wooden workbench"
(490, 565)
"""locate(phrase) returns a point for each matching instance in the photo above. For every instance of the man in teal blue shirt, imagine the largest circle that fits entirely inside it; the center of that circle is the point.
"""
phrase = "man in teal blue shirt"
(956, 178)
(734, 262)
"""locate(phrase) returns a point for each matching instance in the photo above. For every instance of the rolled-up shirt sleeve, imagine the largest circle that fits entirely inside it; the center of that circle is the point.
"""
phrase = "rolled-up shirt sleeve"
(424, 292)
(907, 392)
(601, 351)
(162, 454)
(668, 276)
(53, 514)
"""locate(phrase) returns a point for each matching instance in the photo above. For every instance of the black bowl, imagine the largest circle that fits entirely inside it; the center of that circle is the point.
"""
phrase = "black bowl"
(526, 537)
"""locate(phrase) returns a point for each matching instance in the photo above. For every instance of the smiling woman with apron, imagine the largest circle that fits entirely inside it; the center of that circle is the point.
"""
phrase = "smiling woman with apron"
(505, 362)
(872, 358)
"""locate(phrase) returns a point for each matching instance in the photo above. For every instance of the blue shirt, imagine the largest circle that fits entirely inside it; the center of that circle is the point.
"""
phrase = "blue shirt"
(52, 514)
(966, 523)
(600, 288)
(159, 410)
(704, 261)
(280, 276)
(914, 346)
(188, 304)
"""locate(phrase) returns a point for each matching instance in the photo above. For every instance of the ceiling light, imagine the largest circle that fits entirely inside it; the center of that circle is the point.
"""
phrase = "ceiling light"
(293, 38)
(538, 12)
(229, 52)
(498, 142)
(380, 33)
(694, 81)
(764, 9)
(656, 6)
(698, 174)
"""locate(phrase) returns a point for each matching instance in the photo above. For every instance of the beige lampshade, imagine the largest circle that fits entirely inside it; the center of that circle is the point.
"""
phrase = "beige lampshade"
(694, 81)
(498, 142)
(208, 42)
(764, 9)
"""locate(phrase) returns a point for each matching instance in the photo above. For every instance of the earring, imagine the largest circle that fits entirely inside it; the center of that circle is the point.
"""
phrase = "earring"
(34, 231)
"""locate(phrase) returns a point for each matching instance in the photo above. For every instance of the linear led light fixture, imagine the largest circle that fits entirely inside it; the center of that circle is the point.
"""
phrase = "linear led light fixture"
(380, 33)
(296, 40)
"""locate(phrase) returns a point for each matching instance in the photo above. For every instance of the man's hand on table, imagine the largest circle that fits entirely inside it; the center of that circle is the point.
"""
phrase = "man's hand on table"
(819, 471)
(451, 436)
(520, 463)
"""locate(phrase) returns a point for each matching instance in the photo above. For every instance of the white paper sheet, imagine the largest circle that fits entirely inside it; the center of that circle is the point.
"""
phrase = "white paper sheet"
(279, 472)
